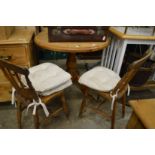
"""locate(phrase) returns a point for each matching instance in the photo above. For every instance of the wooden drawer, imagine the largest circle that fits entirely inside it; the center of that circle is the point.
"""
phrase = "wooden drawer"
(5, 92)
(14, 54)
(17, 55)
(2, 77)
(18, 49)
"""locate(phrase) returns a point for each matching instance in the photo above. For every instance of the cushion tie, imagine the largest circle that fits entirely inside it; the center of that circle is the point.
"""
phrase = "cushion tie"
(116, 94)
(13, 96)
(113, 98)
(35, 104)
(128, 93)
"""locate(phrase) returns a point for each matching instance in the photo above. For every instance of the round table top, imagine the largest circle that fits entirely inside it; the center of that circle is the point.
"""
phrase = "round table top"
(71, 47)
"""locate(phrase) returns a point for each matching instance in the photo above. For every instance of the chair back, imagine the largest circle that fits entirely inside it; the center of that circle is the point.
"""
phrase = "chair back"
(13, 74)
(131, 72)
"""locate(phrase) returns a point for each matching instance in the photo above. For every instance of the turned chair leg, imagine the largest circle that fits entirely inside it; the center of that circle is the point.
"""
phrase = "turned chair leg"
(83, 104)
(123, 104)
(113, 115)
(64, 104)
(19, 115)
(36, 120)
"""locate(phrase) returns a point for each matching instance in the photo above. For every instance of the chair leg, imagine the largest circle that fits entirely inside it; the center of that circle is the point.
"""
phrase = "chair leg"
(36, 120)
(98, 97)
(123, 104)
(113, 115)
(64, 104)
(19, 115)
(83, 104)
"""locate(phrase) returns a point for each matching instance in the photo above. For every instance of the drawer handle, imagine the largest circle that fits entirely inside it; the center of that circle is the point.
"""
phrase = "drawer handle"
(5, 57)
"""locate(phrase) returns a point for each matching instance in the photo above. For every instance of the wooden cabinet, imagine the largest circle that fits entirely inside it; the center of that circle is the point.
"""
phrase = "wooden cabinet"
(6, 31)
(17, 49)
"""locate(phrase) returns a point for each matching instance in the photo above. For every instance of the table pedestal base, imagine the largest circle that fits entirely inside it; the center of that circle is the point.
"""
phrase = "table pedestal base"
(72, 67)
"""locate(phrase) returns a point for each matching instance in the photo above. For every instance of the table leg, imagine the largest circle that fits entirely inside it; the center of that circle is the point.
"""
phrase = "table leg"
(72, 67)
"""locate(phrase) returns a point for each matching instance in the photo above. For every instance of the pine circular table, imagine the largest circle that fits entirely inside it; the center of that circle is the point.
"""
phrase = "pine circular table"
(41, 40)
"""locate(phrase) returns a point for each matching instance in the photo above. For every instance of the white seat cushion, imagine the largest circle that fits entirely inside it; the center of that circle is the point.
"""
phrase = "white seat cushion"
(100, 78)
(59, 88)
(48, 78)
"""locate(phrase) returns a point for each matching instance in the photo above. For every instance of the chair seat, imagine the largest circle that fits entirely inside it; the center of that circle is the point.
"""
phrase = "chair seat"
(48, 78)
(100, 78)
(56, 89)
(47, 99)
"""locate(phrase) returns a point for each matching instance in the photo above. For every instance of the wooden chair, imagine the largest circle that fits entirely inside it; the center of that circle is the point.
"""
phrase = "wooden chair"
(143, 114)
(26, 94)
(118, 92)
